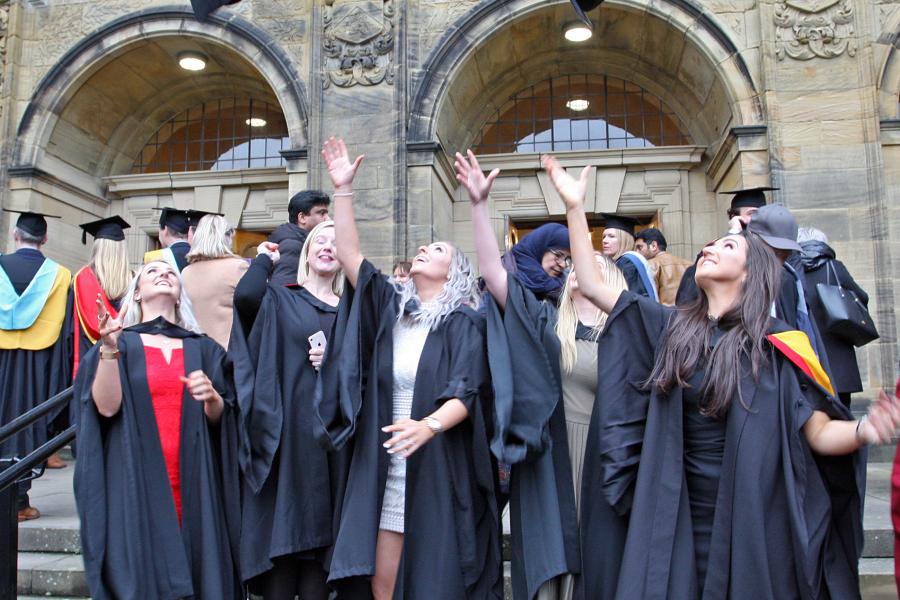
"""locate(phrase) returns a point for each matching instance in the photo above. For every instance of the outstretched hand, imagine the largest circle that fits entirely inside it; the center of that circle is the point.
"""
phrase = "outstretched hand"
(470, 175)
(108, 327)
(571, 190)
(340, 169)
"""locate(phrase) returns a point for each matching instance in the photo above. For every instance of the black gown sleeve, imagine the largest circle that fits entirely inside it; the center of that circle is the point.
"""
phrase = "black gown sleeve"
(632, 277)
(523, 354)
(626, 354)
(250, 290)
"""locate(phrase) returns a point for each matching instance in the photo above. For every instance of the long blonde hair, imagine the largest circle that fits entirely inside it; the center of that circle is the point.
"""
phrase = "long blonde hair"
(109, 261)
(337, 284)
(567, 318)
(132, 314)
(212, 239)
(626, 241)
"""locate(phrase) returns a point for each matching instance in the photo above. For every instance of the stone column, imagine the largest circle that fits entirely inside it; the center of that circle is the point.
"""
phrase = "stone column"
(357, 93)
(825, 154)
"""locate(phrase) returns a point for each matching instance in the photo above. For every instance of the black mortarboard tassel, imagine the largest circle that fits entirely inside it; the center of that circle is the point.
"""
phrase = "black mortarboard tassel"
(753, 197)
(626, 224)
(32, 223)
(202, 8)
(175, 219)
(110, 228)
(194, 216)
(582, 7)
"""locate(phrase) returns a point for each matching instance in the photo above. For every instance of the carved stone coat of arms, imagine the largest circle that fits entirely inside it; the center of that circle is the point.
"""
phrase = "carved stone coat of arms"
(807, 29)
(358, 42)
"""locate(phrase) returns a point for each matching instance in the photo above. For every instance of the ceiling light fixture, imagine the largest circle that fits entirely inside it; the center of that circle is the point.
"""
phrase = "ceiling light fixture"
(255, 122)
(577, 32)
(578, 104)
(191, 61)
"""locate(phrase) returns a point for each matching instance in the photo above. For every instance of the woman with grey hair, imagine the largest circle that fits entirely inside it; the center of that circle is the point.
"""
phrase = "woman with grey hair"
(820, 266)
(156, 479)
(404, 381)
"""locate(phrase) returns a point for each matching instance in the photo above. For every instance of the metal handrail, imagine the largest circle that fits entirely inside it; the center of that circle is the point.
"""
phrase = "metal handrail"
(26, 419)
(15, 472)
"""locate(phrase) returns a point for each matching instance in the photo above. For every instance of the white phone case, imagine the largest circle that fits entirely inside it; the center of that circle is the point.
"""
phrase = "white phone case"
(317, 340)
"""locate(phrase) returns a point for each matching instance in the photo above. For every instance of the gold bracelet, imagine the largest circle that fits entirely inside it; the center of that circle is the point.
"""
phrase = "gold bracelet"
(109, 354)
(336, 194)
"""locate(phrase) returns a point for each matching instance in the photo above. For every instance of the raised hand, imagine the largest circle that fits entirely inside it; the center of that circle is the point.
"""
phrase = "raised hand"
(882, 421)
(109, 328)
(270, 249)
(340, 169)
(571, 190)
(470, 175)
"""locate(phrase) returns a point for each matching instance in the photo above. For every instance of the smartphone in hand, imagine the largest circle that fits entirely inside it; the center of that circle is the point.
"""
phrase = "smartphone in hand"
(317, 340)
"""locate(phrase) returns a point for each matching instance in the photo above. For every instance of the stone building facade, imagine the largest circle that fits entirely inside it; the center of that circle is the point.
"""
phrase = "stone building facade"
(688, 98)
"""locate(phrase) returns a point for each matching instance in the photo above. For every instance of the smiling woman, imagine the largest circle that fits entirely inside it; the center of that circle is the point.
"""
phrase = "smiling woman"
(406, 375)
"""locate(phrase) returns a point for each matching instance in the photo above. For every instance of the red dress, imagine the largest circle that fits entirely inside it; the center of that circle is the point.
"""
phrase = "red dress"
(895, 504)
(166, 390)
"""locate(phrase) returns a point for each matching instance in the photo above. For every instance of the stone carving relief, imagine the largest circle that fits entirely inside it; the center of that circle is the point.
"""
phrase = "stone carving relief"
(806, 29)
(4, 29)
(358, 45)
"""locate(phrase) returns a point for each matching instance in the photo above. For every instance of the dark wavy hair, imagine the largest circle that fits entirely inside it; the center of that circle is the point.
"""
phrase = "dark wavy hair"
(745, 325)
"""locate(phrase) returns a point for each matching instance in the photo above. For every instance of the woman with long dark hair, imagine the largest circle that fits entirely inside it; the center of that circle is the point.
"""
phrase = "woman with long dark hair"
(544, 363)
(287, 500)
(403, 387)
(156, 479)
(721, 437)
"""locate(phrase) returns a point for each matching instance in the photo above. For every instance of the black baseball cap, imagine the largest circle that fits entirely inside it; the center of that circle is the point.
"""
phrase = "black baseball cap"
(31, 222)
(110, 228)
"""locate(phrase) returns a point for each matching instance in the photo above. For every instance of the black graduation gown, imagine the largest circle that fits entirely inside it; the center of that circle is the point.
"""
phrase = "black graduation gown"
(29, 377)
(290, 238)
(775, 532)
(530, 433)
(131, 541)
(451, 547)
(632, 277)
(288, 504)
(180, 251)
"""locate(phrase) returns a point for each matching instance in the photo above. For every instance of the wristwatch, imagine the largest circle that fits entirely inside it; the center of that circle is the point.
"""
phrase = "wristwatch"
(434, 425)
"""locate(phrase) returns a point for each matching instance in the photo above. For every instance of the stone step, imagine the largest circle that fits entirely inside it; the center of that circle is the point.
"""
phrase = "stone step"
(50, 534)
(879, 533)
(876, 577)
(51, 574)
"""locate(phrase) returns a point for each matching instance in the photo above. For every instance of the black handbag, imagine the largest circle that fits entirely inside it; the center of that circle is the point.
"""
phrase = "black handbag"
(845, 316)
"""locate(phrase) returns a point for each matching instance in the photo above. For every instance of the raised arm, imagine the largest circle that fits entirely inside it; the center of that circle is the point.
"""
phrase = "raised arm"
(342, 172)
(572, 191)
(470, 175)
(106, 388)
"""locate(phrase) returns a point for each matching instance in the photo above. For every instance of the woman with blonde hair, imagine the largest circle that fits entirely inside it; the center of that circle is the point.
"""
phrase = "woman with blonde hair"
(211, 276)
(544, 366)
(403, 391)
(618, 244)
(277, 349)
(156, 481)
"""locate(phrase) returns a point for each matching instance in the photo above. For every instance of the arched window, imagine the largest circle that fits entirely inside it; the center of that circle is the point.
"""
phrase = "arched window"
(231, 133)
(580, 112)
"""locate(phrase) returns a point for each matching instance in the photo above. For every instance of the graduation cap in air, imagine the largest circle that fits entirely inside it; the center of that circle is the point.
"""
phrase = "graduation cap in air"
(110, 228)
(753, 197)
(202, 8)
(582, 7)
(32, 223)
(175, 219)
(626, 224)
(194, 216)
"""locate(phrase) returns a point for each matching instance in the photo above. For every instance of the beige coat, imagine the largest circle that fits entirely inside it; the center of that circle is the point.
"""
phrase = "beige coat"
(669, 269)
(210, 286)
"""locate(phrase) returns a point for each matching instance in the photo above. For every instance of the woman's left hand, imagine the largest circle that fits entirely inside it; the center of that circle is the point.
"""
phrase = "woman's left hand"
(411, 435)
(200, 387)
(883, 420)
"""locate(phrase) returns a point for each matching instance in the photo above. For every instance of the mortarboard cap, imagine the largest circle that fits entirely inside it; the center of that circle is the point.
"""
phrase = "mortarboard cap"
(109, 228)
(194, 216)
(583, 6)
(173, 218)
(626, 224)
(754, 197)
(33, 223)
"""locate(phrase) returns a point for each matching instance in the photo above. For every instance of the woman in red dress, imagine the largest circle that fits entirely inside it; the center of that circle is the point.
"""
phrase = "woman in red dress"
(156, 480)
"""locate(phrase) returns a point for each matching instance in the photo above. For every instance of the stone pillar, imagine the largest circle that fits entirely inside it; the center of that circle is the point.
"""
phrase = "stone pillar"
(824, 148)
(357, 93)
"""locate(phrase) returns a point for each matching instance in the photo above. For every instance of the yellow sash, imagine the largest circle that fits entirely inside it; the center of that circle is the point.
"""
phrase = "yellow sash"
(47, 327)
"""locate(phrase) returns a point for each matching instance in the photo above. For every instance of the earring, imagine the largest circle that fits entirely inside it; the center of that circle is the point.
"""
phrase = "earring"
(138, 299)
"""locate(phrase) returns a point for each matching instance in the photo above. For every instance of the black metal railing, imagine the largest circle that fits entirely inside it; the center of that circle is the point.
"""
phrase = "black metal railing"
(23, 469)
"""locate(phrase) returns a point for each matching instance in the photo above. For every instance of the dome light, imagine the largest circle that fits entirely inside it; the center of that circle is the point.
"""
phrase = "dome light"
(255, 122)
(578, 104)
(191, 61)
(577, 32)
